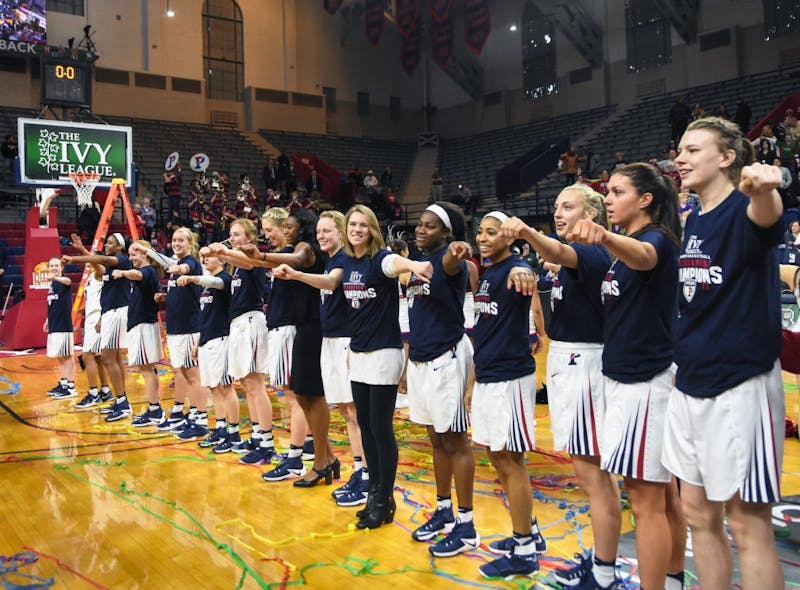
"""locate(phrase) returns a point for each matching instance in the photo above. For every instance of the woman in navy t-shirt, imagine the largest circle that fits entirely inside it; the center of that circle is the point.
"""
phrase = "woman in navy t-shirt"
(639, 297)
(725, 421)
(368, 276)
(574, 368)
(58, 325)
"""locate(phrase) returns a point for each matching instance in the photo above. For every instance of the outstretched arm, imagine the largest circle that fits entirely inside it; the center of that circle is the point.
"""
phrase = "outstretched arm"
(636, 254)
(327, 281)
(549, 249)
(92, 259)
(760, 182)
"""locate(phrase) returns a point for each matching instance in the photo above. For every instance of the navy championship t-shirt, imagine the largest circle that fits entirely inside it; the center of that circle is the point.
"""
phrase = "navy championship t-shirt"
(640, 308)
(334, 310)
(279, 308)
(183, 303)
(500, 335)
(247, 291)
(214, 308)
(143, 308)
(575, 297)
(115, 292)
(435, 310)
(729, 324)
(375, 302)
(59, 308)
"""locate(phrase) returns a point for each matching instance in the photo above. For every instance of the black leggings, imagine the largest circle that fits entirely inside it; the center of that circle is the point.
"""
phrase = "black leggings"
(375, 412)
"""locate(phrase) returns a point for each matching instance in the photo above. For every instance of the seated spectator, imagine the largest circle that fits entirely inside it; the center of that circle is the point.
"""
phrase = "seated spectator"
(307, 202)
(601, 184)
(294, 202)
(149, 214)
(138, 220)
(793, 233)
(766, 153)
(698, 112)
(619, 161)
(669, 159)
(766, 133)
(722, 111)
(272, 199)
(672, 172)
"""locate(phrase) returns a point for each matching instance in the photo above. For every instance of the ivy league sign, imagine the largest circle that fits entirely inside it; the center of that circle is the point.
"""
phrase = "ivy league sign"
(50, 150)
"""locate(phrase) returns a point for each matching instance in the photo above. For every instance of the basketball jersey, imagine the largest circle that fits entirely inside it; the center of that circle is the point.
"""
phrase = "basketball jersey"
(142, 308)
(91, 294)
(500, 335)
(279, 309)
(435, 309)
(575, 297)
(59, 308)
(334, 310)
(374, 300)
(183, 303)
(214, 309)
(116, 292)
(729, 323)
(247, 290)
(640, 308)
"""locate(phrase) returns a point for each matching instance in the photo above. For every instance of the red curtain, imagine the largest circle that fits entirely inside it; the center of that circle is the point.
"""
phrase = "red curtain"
(477, 24)
(411, 46)
(405, 13)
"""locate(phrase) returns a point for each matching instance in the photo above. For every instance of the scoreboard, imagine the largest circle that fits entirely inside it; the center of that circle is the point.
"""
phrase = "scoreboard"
(66, 82)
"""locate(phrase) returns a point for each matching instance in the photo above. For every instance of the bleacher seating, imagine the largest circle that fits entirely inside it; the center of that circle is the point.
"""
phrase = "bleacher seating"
(345, 152)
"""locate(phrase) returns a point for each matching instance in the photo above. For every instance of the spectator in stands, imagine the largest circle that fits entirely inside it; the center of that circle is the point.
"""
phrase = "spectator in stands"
(394, 210)
(272, 199)
(88, 220)
(698, 112)
(436, 186)
(314, 185)
(679, 116)
(766, 153)
(138, 220)
(742, 116)
(284, 172)
(307, 202)
(672, 172)
(787, 195)
(619, 161)
(149, 214)
(767, 133)
(722, 111)
(172, 188)
(589, 161)
(669, 159)
(10, 151)
(787, 125)
(466, 200)
(294, 202)
(601, 184)
(793, 235)
(685, 207)
(386, 180)
(569, 165)
(581, 179)
(270, 174)
(370, 182)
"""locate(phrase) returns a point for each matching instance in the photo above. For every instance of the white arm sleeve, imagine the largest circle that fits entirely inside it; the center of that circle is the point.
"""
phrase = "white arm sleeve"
(211, 282)
(162, 260)
(387, 266)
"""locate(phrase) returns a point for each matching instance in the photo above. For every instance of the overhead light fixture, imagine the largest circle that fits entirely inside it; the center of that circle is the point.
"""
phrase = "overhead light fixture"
(170, 12)
(512, 28)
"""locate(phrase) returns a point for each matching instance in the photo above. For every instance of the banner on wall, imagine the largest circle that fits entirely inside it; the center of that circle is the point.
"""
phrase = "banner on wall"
(404, 15)
(332, 6)
(411, 46)
(373, 21)
(440, 9)
(442, 41)
(477, 24)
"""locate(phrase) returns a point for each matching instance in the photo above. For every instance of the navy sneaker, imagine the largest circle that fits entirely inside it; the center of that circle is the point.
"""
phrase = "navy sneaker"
(441, 521)
(308, 450)
(462, 538)
(56, 390)
(352, 483)
(65, 394)
(106, 396)
(213, 439)
(509, 566)
(504, 546)
(142, 420)
(356, 496)
(89, 401)
(578, 572)
(286, 468)
(120, 411)
(193, 431)
(259, 456)
(157, 416)
(168, 422)
(237, 446)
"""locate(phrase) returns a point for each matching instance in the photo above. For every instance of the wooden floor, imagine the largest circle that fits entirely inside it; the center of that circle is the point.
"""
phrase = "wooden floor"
(86, 504)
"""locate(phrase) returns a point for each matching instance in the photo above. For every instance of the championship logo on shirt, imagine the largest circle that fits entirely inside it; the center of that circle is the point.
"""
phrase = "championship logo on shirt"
(354, 290)
(610, 286)
(483, 302)
(416, 288)
(695, 269)
(206, 298)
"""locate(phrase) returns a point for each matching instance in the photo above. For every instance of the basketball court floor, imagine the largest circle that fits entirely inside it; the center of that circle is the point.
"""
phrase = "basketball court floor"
(87, 504)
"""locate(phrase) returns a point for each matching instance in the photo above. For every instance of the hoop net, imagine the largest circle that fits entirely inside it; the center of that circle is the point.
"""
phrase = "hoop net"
(84, 184)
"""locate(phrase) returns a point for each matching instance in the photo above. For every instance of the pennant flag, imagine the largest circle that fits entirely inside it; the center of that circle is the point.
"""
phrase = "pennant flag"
(405, 11)
(442, 41)
(440, 9)
(411, 46)
(477, 24)
(332, 6)
(373, 21)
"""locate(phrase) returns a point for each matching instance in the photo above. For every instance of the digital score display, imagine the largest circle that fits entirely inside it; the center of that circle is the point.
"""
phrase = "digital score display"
(66, 83)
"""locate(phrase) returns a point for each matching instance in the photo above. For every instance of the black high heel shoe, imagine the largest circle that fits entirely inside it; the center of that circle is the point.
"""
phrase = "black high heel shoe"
(336, 468)
(382, 512)
(371, 495)
(325, 473)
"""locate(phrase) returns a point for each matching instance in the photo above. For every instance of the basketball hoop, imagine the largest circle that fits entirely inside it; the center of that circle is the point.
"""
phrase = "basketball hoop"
(84, 184)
